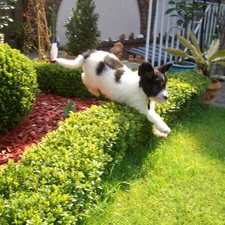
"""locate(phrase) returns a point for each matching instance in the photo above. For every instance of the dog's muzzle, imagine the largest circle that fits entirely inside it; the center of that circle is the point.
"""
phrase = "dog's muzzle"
(162, 97)
(166, 96)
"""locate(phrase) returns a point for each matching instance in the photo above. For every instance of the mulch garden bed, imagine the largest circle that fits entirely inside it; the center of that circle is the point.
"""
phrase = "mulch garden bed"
(47, 112)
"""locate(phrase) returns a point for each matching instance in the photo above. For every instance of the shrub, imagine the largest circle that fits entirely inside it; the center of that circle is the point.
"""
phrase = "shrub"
(82, 25)
(60, 180)
(18, 87)
(60, 81)
(186, 89)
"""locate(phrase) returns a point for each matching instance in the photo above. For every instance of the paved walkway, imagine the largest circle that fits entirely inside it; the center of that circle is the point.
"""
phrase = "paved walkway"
(220, 98)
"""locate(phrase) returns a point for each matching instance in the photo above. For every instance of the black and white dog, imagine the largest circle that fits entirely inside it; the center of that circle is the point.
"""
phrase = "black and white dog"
(103, 72)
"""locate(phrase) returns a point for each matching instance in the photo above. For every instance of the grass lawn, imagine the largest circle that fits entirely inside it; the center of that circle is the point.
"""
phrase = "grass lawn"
(180, 180)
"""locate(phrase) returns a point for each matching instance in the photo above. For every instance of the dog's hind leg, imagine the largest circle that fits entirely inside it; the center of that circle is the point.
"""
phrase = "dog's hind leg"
(93, 91)
(89, 86)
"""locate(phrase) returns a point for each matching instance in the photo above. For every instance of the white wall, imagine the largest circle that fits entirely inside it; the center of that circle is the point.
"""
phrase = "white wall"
(116, 17)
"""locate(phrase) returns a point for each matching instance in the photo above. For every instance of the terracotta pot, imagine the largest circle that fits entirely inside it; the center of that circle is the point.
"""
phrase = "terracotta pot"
(138, 59)
(122, 37)
(1, 38)
(131, 37)
(117, 50)
(131, 58)
(211, 92)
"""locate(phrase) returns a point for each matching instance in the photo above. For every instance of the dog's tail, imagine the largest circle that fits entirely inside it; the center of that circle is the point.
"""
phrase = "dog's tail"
(71, 64)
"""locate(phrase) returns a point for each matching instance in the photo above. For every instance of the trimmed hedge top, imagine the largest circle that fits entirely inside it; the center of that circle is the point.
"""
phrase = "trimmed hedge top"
(60, 81)
(18, 87)
(60, 180)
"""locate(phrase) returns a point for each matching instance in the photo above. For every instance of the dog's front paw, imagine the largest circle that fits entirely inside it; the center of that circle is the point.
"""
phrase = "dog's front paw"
(162, 127)
(161, 131)
(158, 134)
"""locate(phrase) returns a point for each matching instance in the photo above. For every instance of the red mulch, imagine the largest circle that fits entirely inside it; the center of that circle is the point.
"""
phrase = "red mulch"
(46, 114)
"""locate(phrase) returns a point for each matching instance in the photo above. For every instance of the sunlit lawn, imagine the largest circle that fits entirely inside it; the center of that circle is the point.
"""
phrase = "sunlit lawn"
(180, 180)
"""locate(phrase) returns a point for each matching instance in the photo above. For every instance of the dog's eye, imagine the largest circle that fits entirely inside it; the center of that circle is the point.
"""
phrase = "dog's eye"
(157, 80)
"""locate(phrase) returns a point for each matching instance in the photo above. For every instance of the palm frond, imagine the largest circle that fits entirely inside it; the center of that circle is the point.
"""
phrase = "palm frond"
(222, 63)
(176, 52)
(198, 60)
(217, 56)
(188, 45)
(197, 70)
(213, 48)
(195, 43)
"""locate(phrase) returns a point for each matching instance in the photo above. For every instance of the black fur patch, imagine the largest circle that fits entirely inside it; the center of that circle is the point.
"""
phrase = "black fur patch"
(88, 53)
(100, 68)
(118, 74)
(115, 65)
(152, 82)
(146, 69)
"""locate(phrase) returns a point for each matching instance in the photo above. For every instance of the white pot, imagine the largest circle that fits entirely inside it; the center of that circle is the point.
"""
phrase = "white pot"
(54, 51)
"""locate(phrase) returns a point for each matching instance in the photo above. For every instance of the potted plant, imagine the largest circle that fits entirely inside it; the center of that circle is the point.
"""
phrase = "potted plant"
(186, 13)
(204, 60)
(82, 31)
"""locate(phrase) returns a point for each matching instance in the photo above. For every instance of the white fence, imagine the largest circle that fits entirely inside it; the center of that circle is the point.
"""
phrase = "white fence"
(165, 30)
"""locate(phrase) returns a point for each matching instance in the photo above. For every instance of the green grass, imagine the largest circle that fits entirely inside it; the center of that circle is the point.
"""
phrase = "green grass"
(180, 180)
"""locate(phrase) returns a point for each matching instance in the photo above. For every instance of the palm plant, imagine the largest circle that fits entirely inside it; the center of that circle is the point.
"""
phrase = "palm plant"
(203, 60)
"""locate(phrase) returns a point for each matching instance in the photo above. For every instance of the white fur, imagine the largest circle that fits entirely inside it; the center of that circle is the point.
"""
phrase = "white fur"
(126, 91)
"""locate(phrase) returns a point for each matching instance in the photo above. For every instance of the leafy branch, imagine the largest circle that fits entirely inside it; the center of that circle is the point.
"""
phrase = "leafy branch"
(4, 7)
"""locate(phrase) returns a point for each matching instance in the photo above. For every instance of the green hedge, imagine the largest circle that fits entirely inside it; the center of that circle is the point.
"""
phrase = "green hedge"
(18, 87)
(185, 90)
(59, 180)
(60, 81)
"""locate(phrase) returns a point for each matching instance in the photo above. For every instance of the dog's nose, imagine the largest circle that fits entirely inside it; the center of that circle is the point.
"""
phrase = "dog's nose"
(166, 97)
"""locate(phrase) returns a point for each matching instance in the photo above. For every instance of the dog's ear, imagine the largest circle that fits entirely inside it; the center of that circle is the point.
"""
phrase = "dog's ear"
(146, 69)
(165, 68)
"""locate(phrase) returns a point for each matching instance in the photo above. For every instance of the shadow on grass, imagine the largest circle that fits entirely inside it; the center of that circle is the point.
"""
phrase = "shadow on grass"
(207, 125)
(129, 167)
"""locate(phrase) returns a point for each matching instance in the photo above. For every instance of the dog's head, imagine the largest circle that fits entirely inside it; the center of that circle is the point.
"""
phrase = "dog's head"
(153, 81)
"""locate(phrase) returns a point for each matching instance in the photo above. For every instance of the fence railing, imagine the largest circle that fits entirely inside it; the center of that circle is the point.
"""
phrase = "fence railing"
(165, 30)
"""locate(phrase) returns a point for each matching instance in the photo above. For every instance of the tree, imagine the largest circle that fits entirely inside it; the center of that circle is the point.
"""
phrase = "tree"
(82, 31)
(185, 12)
